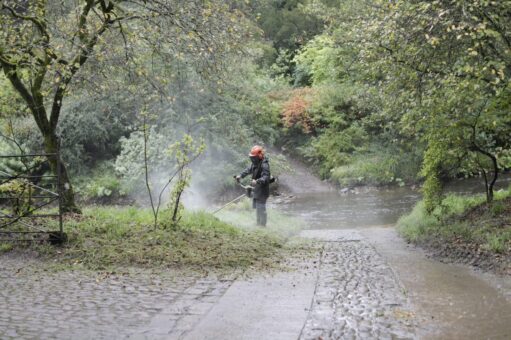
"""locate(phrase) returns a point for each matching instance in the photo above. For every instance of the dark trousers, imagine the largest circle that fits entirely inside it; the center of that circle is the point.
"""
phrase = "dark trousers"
(260, 206)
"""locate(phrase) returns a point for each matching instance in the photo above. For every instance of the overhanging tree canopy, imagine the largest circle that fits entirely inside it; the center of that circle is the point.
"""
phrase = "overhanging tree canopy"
(45, 43)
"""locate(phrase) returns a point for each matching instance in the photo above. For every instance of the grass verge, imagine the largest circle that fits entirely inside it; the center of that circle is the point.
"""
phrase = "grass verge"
(107, 237)
(466, 229)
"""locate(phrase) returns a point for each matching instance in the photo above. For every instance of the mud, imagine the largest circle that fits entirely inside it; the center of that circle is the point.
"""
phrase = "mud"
(471, 254)
(473, 251)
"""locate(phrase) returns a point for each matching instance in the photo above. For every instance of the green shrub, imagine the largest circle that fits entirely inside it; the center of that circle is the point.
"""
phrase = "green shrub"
(378, 167)
(333, 148)
(105, 186)
(101, 184)
(91, 128)
(417, 224)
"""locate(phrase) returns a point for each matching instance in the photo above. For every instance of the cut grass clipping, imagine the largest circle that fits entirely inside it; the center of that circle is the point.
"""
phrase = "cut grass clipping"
(243, 215)
(107, 237)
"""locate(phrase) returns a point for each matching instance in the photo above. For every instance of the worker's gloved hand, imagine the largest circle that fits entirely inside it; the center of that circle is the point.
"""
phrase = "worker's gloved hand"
(237, 178)
(254, 182)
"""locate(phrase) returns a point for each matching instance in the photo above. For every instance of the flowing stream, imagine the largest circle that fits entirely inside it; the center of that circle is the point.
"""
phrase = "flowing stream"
(366, 207)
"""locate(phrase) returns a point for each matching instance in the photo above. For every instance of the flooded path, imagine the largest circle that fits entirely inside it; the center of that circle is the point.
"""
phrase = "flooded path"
(361, 281)
(346, 290)
(448, 301)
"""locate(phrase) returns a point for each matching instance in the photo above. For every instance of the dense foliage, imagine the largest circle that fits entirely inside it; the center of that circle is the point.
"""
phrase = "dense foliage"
(46, 48)
(368, 92)
(406, 85)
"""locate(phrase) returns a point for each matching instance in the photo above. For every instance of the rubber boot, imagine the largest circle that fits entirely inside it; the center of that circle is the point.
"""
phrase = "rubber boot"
(263, 218)
(261, 213)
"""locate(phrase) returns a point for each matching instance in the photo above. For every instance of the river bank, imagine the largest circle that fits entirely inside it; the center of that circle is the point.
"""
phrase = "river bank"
(464, 229)
(482, 244)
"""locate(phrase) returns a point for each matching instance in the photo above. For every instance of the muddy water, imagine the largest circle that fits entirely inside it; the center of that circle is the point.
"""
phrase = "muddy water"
(450, 301)
(366, 207)
(331, 210)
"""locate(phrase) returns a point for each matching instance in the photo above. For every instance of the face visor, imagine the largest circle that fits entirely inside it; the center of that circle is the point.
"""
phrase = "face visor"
(254, 159)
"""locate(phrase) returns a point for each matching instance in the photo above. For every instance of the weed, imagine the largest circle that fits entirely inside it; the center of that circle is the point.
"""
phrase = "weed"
(418, 223)
(495, 243)
(101, 185)
(497, 208)
(6, 247)
(243, 215)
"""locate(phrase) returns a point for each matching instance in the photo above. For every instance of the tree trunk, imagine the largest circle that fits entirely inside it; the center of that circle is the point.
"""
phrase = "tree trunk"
(51, 145)
(495, 176)
(489, 188)
(486, 185)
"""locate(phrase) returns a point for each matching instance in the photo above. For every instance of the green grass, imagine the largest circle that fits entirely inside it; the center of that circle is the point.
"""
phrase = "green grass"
(109, 237)
(6, 247)
(465, 218)
(417, 223)
(497, 243)
(243, 215)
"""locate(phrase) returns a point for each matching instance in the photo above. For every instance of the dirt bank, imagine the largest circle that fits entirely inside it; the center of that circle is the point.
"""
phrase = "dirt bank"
(480, 237)
(460, 251)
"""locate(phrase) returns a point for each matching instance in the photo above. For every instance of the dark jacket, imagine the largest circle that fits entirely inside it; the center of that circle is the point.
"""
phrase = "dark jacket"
(260, 171)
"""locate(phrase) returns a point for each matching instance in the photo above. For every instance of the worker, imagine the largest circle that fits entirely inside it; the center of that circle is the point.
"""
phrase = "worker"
(259, 169)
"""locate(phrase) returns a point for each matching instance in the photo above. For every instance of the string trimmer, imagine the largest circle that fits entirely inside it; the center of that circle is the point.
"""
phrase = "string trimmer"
(248, 193)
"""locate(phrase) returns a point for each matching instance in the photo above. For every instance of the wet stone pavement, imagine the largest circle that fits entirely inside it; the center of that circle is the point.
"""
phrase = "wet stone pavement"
(357, 294)
(36, 304)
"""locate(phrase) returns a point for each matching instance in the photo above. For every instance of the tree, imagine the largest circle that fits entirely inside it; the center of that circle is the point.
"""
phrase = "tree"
(451, 61)
(44, 45)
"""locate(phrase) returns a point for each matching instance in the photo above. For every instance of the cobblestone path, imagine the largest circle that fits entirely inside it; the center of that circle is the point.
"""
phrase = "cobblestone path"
(357, 294)
(72, 305)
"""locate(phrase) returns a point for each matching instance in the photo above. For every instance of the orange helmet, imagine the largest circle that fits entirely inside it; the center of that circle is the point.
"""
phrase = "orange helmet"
(257, 151)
